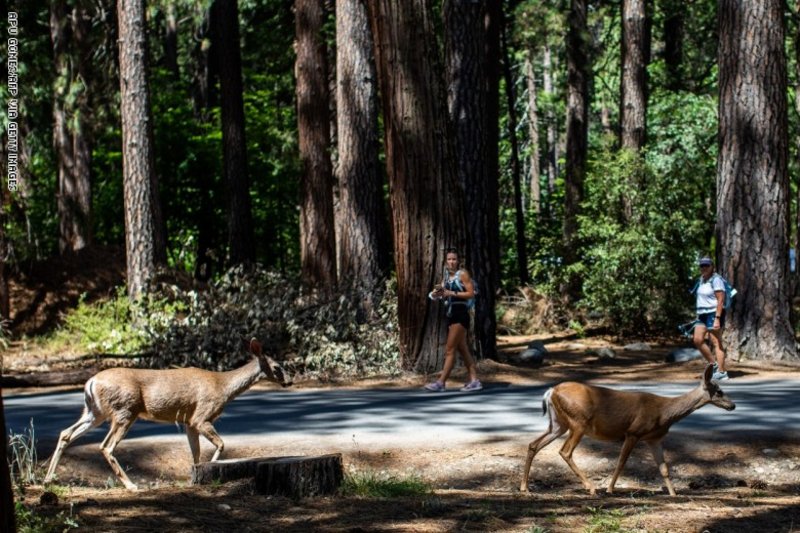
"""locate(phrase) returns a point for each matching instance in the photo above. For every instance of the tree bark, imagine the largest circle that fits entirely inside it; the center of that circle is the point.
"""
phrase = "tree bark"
(533, 134)
(577, 136)
(467, 104)
(426, 200)
(225, 18)
(364, 237)
(519, 218)
(7, 516)
(552, 125)
(143, 237)
(317, 236)
(69, 32)
(753, 181)
(635, 48)
(171, 40)
(300, 477)
(204, 98)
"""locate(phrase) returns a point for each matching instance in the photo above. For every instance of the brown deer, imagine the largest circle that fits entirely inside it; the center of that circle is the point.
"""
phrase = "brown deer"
(190, 396)
(607, 414)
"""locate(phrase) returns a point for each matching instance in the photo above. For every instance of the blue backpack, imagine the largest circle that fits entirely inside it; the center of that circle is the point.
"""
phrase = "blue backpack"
(730, 292)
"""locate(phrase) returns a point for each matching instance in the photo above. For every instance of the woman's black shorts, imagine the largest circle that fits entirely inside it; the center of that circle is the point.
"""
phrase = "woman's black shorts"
(458, 315)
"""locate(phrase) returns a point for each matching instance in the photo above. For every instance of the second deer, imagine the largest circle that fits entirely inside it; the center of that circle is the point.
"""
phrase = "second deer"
(190, 396)
(607, 414)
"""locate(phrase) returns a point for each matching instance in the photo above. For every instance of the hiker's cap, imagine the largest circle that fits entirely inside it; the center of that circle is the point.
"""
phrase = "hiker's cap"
(705, 261)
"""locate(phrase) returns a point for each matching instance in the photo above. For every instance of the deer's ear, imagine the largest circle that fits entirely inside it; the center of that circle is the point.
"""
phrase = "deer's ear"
(255, 346)
(707, 373)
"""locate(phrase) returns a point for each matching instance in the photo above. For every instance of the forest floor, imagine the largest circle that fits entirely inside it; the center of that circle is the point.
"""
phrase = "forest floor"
(747, 483)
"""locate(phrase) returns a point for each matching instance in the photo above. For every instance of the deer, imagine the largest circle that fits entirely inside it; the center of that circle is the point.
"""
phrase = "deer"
(612, 415)
(190, 396)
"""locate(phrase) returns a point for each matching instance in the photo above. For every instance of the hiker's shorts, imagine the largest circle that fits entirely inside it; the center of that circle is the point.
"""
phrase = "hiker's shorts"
(458, 315)
(707, 319)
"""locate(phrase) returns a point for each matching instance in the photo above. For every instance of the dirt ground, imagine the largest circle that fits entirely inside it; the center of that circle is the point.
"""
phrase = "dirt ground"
(751, 483)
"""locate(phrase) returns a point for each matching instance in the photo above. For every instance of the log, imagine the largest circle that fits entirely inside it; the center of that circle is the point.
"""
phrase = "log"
(48, 379)
(226, 470)
(300, 477)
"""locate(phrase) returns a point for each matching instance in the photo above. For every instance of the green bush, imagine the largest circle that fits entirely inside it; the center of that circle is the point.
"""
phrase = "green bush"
(638, 265)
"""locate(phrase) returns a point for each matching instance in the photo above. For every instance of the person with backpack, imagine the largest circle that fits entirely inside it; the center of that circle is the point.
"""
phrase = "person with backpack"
(457, 292)
(710, 293)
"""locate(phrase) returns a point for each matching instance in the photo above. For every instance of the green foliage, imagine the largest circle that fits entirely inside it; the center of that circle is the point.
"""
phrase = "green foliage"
(319, 335)
(638, 266)
(22, 460)
(30, 520)
(604, 520)
(114, 326)
(371, 484)
(101, 327)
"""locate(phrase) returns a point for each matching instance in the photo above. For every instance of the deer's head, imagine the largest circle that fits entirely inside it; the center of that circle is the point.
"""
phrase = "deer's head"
(269, 367)
(714, 394)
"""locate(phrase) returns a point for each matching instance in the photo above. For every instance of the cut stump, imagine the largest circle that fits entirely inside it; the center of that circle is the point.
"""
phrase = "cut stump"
(296, 477)
(226, 470)
(300, 477)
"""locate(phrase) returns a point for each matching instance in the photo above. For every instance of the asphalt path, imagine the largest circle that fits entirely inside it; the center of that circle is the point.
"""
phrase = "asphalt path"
(408, 416)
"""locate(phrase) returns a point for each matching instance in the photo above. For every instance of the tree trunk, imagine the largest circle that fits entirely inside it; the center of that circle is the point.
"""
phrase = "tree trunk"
(466, 97)
(552, 126)
(635, 48)
(577, 136)
(225, 18)
(204, 98)
(317, 236)
(533, 134)
(364, 237)
(7, 516)
(753, 181)
(171, 40)
(69, 32)
(426, 200)
(143, 238)
(673, 43)
(519, 219)
(493, 21)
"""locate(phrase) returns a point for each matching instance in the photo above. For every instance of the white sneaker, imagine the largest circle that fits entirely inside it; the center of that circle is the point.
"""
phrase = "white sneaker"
(720, 376)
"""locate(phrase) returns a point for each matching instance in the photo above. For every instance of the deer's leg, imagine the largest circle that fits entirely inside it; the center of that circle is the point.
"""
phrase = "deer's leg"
(194, 443)
(658, 456)
(627, 446)
(207, 430)
(86, 422)
(552, 433)
(117, 432)
(566, 453)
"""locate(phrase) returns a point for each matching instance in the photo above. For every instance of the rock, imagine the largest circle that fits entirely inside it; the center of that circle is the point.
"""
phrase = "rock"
(575, 346)
(537, 345)
(682, 354)
(638, 347)
(532, 356)
(603, 354)
(770, 452)
(224, 507)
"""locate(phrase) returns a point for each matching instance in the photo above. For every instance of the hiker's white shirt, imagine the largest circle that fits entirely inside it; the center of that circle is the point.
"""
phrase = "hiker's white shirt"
(706, 294)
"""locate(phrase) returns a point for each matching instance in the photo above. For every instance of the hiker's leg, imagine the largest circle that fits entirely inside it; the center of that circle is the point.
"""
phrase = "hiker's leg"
(466, 353)
(450, 352)
(700, 342)
(719, 351)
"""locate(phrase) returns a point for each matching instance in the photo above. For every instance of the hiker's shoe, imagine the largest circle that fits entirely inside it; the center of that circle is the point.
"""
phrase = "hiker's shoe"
(720, 376)
(436, 386)
(472, 386)
(715, 368)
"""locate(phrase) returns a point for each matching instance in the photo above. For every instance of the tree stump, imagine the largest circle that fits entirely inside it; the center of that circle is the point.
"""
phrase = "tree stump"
(226, 470)
(300, 477)
(296, 477)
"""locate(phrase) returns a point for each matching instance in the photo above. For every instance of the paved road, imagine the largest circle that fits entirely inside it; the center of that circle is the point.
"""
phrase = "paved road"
(403, 416)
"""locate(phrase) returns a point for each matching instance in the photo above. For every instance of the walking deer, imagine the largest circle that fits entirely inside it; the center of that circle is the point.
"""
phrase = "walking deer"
(190, 396)
(607, 414)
